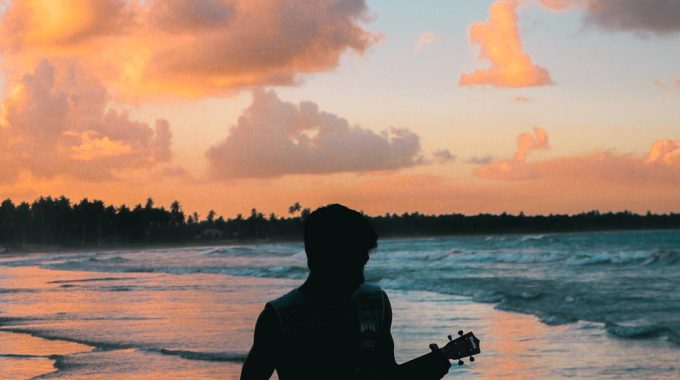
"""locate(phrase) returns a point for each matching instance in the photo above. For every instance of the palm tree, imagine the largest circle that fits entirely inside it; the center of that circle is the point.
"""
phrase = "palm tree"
(176, 213)
(294, 209)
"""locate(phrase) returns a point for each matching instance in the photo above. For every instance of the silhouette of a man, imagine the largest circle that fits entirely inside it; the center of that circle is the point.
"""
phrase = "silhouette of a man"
(334, 326)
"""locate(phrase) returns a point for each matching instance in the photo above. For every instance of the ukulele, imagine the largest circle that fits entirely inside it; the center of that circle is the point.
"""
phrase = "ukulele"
(463, 346)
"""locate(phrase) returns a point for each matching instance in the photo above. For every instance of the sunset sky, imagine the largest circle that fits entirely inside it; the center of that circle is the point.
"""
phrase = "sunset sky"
(541, 106)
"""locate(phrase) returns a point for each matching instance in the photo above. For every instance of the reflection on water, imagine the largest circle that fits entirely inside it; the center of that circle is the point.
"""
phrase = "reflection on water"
(139, 325)
(519, 346)
(20, 368)
(154, 315)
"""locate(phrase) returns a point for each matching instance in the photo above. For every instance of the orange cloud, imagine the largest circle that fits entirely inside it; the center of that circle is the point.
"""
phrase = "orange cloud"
(41, 24)
(557, 5)
(57, 121)
(184, 48)
(501, 45)
(660, 166)
(274, 138)
(527, 142)
(665, 152)
(516, 168)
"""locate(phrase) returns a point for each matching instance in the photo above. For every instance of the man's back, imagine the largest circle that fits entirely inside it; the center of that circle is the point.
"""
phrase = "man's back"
(322, 338)
(303, 337)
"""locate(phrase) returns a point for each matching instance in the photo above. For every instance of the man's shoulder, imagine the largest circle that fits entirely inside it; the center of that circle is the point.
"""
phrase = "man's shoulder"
(372, 288)
(292, 298)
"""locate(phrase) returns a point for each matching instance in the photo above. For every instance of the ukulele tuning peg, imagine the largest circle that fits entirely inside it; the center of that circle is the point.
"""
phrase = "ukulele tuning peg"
(460, 362)
(472, 358)
(460, 332)
(450, 337)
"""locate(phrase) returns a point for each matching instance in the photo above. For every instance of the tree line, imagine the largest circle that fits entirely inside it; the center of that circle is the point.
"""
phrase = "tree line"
(58, 221)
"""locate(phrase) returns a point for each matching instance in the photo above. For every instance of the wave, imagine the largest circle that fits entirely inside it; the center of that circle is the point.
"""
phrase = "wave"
(237, 357)
(510, 256)
(641, 258)
(96, 279)
(17, 290)
(253, 250)
(231, 251)
(642, 329)
(532, 237)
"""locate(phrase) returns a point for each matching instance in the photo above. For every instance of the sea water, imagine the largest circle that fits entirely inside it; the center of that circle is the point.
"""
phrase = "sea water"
(579, 305)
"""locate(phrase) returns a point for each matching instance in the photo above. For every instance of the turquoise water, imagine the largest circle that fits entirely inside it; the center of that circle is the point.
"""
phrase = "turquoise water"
(602, 299)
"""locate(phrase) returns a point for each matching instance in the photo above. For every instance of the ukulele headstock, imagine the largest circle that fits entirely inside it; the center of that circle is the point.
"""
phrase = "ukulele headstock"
(463, 346)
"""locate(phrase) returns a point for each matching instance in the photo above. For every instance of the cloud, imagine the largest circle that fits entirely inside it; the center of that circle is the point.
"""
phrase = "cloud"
(189, 16)
(665, 152)
(661, 165)
(274, 138)
(521, 99)
(480, 159)
(527, 142)
(32, 24)
(510, 170)
(185, 48)
(425, 39)
(501, 45)
(650, 16)
(557, 5)
(443, 156)
(516, 168)
(56, 121)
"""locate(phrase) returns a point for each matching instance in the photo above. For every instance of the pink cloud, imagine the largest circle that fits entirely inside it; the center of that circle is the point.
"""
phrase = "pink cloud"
(274, 138)
(516, 168)
(185, 48)
(500, 43)
(558, 5)
(57, 121)
(527, 142)
(666, 152)
(660, 166)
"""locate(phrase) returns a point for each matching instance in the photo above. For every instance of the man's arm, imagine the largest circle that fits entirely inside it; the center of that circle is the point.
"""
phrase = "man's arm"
(432, 366)
(260, 363)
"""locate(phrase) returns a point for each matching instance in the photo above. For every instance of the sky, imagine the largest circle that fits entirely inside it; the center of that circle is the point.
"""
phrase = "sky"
(465, 106)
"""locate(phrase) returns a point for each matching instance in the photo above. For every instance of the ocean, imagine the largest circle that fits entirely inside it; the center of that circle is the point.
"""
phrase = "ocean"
(572, 305)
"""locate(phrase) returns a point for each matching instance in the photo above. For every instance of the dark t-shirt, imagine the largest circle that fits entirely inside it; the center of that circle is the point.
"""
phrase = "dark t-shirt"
(334, 354)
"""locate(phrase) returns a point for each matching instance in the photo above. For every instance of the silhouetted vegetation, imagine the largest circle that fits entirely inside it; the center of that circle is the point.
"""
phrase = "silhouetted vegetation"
(51, 221)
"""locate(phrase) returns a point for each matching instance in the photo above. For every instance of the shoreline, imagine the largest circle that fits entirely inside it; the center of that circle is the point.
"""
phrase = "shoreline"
(514, 345)
(27, 249)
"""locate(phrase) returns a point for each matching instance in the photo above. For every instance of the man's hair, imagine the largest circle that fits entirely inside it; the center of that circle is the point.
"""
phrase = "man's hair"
(335, 234)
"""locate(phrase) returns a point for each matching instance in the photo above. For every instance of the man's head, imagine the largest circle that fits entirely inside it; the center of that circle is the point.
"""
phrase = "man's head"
(337, 242)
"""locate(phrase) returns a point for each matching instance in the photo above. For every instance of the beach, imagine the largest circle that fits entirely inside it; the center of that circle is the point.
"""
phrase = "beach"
(189, 312)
